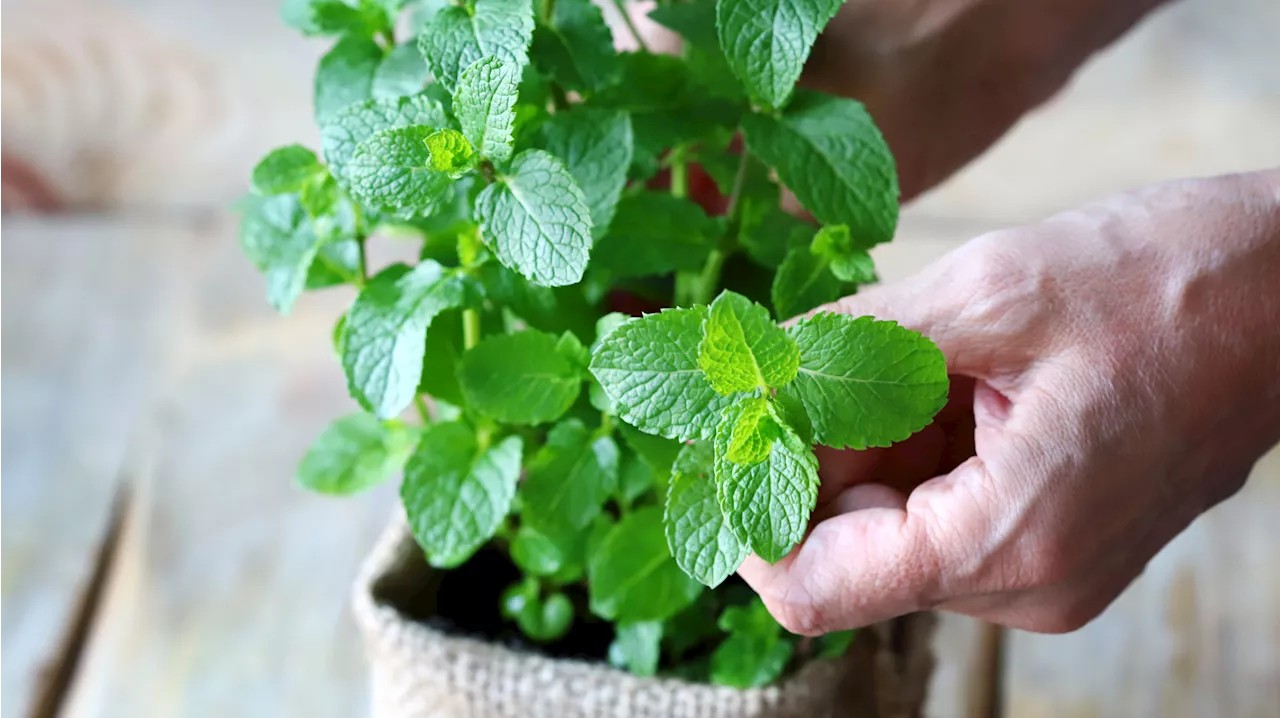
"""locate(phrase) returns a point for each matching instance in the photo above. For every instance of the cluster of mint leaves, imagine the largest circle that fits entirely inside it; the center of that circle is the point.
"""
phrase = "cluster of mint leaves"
(623, 464)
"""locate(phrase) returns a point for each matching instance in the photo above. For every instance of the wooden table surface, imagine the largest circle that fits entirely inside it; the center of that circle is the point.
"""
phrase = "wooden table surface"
(157, 559)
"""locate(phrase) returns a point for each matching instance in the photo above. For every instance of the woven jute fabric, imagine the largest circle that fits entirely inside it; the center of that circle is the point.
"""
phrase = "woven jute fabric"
(420, 672)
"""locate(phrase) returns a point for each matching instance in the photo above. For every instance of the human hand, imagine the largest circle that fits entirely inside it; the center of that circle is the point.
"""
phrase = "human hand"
(944, 79)
(1125, 360)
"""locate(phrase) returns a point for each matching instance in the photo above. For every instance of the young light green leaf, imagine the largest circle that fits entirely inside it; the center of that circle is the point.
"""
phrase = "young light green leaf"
(767, 41)
(536, 220)
(655, 233)
(753, 434)
(637, 647)
(450, 152)
(393, 170)
(354, 453)
(402, 72)
(755, 653)
(572, 348)
(596, 146)
(345, 75)
(569, 479)
(576, 47)
(865, 382)
(545, 620)
(450, 475)
(631, 575)
(767, 503)
(743, 349)
(277, 237)
(698, 535)
(285, 169)
(849, 262)
(386, 328)
(458, 36)
(804, 281)
(484, 104)
(352, 125)
(519, 378)
(828, 151)
(649, 367)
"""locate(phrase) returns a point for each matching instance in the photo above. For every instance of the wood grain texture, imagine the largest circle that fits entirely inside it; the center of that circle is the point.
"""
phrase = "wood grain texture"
(1198, 634)
(230, 595)
(84, 311)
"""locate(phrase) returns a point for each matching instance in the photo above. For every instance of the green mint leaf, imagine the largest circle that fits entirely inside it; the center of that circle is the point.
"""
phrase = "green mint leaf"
(755, 653)
(345, 75)
(743, 349)
(768, 232)
(637, 647)
(667, 106)
(458, 36)
(315, 18)
(596, 146)
(484, 103)
(536, 220)
(828, 151)
(576, 47)
(631, 575)
(834, 645)
(442, 358)
(635, 478)
(519, 378)
(572, 348)
(767, 503)
(277, 237)
(402, 72)
(698, 535)
(804, 281)
(354, 453)
(848, 262)
(753, 433)
(450, 152)
(535, 304)
(659, 453)
(649, 367)
(655, 233)
(386, 329)
(393, 170)
(352, 125)
(767, 41)
(451, 476)
(335, 263)
(539, 554)
(695, 21)
(865, 382)
(285, 169)
(569, 479)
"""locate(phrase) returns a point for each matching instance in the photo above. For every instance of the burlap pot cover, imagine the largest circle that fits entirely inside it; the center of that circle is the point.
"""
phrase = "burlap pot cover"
(419, 672)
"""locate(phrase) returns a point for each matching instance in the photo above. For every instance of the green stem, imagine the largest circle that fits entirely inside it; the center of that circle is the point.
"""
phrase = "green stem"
(709, 278)
(739, 179)
(421, 405)
(470, 328)
(548, 11)
(626, 18)
(559, 99)
(362, 267)
(679, 175)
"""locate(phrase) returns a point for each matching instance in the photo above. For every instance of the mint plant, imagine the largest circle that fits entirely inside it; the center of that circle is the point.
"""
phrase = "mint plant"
(584, 369)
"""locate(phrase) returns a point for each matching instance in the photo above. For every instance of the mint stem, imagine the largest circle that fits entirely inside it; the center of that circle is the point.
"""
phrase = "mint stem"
(421, 405)
(362, 268)
(470, 328)
(626, 18)
(679, 175)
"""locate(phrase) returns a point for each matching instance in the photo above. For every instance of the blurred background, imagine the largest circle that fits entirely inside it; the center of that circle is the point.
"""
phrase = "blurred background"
(157, 558)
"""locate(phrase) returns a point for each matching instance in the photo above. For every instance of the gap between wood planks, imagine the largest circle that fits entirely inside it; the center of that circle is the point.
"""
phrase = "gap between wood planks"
(56, 679)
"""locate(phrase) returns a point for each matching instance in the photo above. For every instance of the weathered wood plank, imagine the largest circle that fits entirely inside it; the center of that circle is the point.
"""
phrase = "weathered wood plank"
(83, 310)
(232, 588)
(1198, 634)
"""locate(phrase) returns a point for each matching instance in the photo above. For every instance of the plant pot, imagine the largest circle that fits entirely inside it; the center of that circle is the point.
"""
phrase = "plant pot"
(419, 671)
